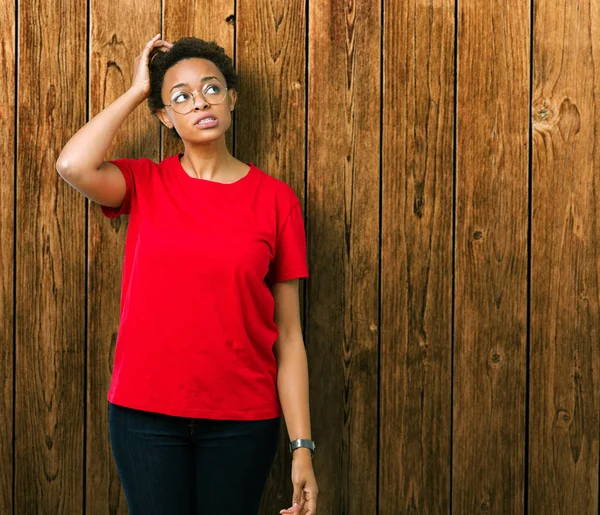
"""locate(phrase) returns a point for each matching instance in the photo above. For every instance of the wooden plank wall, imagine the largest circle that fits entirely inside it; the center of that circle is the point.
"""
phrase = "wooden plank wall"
(446, 154)
(565, 259)
(343, 238)
(50, 256)
(490, 323)
(7, 229)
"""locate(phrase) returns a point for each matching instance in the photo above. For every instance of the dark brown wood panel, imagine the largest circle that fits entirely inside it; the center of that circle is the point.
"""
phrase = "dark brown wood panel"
(50, 262)
(7, 229)
(270, 131)
(445, 443)
(210, 21)
(343, 241)
(565, 257)
(491, 257)
(416, 268)
(115, 41)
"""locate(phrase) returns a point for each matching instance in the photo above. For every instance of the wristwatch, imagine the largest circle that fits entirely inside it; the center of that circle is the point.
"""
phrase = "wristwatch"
(300, 442)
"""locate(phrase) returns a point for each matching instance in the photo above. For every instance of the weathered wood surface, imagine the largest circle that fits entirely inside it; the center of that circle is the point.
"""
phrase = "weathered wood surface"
(115, 41)
(7, 231)
(358, 113)
(416, 267)
(343, 243)
(490, 346)
(565, 259)
(50, 262)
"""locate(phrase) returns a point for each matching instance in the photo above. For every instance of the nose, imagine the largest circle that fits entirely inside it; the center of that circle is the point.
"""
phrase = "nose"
(199, 102)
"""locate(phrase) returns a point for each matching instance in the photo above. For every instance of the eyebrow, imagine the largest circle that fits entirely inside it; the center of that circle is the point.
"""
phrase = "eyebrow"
(204, 79)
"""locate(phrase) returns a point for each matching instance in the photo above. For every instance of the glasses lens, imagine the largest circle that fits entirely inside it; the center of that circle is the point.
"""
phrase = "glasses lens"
(214, 91)
(182, 102)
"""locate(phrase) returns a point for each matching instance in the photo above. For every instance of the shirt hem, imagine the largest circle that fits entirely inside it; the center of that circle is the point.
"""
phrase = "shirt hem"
(181, 411)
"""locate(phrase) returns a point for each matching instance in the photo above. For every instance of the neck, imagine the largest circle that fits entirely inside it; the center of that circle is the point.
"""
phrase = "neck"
(207, 161)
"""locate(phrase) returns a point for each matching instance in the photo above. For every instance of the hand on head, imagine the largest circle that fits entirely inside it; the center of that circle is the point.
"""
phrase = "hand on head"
(141, 72)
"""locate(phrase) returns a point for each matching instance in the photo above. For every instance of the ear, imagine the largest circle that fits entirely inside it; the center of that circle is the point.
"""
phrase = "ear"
(232, 98)
(164, 118)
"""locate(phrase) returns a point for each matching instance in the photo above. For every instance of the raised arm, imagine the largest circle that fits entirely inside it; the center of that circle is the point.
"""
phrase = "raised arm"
(81, 162)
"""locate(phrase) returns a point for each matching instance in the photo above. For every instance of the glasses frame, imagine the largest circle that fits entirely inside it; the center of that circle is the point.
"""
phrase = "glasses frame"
(193, 93)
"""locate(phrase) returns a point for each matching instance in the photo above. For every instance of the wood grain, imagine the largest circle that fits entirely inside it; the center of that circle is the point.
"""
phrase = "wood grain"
(7, 229)
(270, 131)
(416, 269)
(491, 257)
(565, 319)
(115, 41)
(343, 241)
(50, 262)
(210, 21)
(474, 462)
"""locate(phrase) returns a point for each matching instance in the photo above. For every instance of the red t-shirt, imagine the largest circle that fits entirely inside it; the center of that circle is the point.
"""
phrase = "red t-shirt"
(196, 329)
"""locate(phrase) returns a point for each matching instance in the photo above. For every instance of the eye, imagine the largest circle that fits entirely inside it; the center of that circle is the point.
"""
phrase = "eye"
(212, 89)
(181, 97)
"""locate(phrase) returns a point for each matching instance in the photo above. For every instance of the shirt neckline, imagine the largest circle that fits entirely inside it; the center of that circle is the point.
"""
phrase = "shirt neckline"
(241, 180)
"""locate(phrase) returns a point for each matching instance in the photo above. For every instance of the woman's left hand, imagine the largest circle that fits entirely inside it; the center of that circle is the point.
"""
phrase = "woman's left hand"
(304, 500)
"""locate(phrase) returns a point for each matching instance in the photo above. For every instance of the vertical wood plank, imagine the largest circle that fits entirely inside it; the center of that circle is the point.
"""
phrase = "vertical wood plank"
(565, 355)
(343, 239)
(210, 21)
(491, 257)
(115, 41)
(270, 131)
(7, 228)
(416, 276)
(50, 262)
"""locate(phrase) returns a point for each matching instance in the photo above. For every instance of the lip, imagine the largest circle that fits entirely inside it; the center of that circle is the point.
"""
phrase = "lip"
(200, 118)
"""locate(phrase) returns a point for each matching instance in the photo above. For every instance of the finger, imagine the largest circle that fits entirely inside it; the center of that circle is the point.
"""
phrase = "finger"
(150, 44)
(159, 46)
(162, 43)
(297, 497)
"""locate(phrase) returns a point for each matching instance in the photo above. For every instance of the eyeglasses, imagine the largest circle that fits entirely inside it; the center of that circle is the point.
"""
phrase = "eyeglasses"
(183, 101)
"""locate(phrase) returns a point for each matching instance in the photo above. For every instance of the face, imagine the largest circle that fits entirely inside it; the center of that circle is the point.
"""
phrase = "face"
(187, 76)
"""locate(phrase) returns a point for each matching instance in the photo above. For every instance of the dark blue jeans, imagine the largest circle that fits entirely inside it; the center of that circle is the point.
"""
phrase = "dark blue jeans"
(191, 466)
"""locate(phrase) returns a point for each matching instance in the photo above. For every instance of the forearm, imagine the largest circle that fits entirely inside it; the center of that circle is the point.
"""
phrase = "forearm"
(86, 150)
(292, 386)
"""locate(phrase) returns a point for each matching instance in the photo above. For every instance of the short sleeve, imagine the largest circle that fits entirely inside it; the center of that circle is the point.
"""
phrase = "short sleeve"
(127, 167)
(290, 261)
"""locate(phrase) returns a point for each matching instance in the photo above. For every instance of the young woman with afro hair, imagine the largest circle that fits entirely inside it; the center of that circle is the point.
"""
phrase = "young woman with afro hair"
(209, 353)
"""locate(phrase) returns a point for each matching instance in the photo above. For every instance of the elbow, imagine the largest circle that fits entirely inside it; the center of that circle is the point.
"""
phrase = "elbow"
(64, 167)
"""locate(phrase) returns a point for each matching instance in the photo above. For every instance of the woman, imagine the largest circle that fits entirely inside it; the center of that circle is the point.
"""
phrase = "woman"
(210, 350)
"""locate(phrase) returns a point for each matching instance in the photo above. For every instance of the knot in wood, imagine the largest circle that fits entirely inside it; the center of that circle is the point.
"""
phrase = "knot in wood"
(563, 418)
(543, 113)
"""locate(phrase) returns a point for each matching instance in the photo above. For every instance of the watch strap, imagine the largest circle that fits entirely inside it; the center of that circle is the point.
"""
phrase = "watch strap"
(301, 442)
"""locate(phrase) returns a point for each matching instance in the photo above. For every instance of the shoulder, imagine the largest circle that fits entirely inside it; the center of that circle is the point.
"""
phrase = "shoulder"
(142, 169)
(281, 192)
(136, 166)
